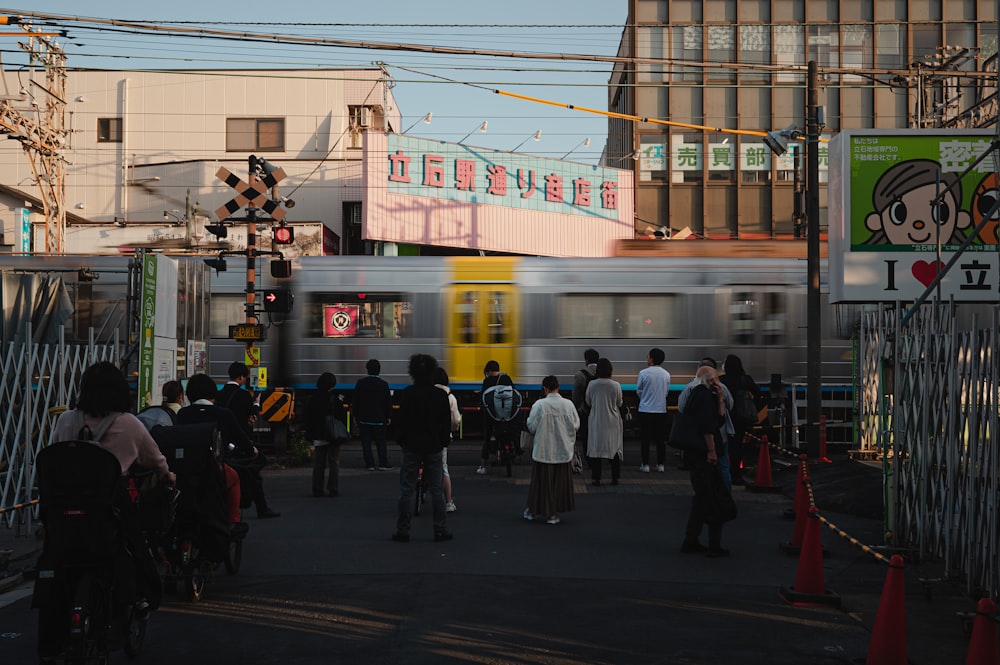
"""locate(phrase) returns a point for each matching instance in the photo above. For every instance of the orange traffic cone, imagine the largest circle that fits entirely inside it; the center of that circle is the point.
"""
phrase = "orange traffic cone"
(888, 645)
(983, 648)
(800, 510)
(809, 588)
(763, 482)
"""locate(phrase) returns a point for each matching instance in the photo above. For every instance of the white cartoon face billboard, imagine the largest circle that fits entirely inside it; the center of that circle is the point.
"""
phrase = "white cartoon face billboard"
(888, 239)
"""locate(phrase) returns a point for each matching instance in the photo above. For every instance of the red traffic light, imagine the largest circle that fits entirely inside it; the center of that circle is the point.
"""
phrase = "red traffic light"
(278, 300)
(284, 235)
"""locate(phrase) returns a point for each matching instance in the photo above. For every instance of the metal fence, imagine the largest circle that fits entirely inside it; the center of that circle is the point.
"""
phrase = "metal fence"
(38, 381)
(929, 411)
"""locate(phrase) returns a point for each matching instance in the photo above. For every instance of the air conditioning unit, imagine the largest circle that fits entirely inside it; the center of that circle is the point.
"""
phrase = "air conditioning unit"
(366, 117)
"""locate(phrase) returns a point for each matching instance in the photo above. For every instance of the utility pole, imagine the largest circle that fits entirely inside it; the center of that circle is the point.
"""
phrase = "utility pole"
(42, 137)
(813, 311)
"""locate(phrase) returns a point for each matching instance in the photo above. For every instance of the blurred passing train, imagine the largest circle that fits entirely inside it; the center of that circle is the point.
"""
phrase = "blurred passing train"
(535, 316)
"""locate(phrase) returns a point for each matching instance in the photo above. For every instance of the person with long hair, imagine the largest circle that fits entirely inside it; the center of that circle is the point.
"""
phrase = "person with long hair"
(441, 381)
(742, 387)
(554, 421)
(606, 429)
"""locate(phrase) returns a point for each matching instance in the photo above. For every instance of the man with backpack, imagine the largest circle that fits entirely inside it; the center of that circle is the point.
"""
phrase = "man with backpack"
(580, 382)
(502, 406)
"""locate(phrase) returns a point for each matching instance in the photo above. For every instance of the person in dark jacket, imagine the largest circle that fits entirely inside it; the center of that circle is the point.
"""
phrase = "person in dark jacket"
(706, 410)
(372, 410)
(201, 393)
(738, 383)
(234, 397)
(323, 405)
(423, 427)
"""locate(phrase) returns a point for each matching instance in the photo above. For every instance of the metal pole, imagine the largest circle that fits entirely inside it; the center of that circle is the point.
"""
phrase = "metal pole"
(813, 312)
(251, 250)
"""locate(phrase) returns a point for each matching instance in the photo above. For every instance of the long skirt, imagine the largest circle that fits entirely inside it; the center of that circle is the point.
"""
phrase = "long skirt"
(551, 489)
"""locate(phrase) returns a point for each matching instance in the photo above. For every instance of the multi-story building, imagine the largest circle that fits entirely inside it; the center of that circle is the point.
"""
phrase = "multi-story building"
(741, 65)
(143, 150)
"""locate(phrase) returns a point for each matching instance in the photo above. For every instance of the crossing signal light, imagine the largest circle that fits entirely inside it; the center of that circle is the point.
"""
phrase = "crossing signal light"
(284, 235)
(278, 300)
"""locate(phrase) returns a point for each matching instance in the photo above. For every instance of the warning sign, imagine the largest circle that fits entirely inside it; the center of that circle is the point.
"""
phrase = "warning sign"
(276, 406)
(251, 358)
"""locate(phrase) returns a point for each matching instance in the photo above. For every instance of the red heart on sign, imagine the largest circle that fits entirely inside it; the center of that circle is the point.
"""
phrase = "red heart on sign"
(926, 271)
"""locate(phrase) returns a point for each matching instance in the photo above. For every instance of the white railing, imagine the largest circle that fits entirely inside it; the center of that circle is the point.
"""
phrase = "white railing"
(38, 382)
(929, 411)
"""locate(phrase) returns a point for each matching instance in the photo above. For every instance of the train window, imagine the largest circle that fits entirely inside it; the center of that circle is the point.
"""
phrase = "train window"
(743, 312)
(467, 316)
(765, 313)
(496, 317)
(379, 315)
(620, 316)
(775, 319)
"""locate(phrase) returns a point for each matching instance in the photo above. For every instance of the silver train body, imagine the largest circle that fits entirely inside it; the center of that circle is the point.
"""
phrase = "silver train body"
(536, 316)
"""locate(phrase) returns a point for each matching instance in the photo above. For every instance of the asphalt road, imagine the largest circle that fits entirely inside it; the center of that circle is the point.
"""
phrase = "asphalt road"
(324, 583)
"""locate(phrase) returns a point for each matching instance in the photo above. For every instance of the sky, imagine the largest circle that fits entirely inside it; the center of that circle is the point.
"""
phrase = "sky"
(591, 27)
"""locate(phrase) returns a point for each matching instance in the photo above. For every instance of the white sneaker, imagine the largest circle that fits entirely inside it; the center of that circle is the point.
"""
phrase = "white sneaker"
(644, 468)
(659, 467)
(527, 515)
(553, 520)
(450, 507)
(481, 471)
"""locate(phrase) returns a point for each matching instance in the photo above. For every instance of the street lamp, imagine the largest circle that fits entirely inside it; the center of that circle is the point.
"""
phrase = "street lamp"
(482, 128)
(536, 136)
(585, 143)
(426, 120)
(778, 141)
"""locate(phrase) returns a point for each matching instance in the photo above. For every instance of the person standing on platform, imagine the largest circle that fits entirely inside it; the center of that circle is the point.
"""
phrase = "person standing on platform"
(423, 428)
(372, 409)
(604, 402)
(652, 388)
(322, 409)
(441, 381)
(742, 390)
(554, 421)
(491, 376)
(580, 381)
(236, 398)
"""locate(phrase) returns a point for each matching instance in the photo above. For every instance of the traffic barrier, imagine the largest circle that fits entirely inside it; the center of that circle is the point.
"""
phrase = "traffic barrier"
(800, 509)
(809, 588)
(763, 482)
(888, 644)
(983, 649)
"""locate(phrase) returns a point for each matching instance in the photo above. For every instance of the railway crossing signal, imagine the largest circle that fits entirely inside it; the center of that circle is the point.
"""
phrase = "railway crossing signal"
(278, 300)
(284, 235)
(253, 194)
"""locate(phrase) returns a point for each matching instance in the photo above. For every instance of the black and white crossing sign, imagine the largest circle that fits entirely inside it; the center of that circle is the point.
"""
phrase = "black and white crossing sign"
(253, 194)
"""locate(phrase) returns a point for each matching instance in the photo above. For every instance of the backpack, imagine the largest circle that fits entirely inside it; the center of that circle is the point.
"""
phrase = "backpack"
(83, 431)
(157, 415)
(584, 410)
(502, 402)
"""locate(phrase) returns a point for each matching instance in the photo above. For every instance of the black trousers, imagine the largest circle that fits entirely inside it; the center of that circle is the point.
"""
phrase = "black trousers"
(596, 464)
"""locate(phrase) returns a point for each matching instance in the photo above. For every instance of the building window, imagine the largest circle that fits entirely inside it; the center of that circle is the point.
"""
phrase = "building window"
(255, 134)
(109, 130)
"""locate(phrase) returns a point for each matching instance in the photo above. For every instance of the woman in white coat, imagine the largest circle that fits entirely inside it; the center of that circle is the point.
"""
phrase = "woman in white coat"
(604, 424)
